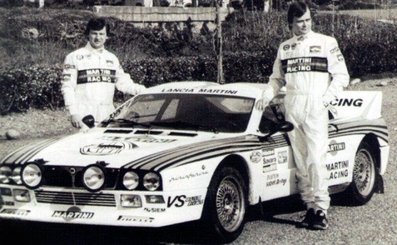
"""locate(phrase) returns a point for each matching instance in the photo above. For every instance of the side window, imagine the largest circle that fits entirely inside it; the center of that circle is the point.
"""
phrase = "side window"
(268, 120)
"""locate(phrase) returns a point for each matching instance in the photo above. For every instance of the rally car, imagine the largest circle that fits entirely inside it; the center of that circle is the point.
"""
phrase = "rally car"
(188, 151)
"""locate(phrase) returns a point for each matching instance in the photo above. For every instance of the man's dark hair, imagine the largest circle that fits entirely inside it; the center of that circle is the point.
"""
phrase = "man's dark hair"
(97, 24)
(296, 9)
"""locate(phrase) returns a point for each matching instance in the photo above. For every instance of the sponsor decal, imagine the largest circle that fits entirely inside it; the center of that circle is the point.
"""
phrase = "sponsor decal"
(107, 148)
(282, 157)
(347, 102)
(79, 57)
(256, 156)
(338, 169)
(275, 182)
(66, 77)
(18, 212)
(109, 62)
(334, 147)
(177, 90)
(180, 201)
(267, 152)
(139, 139)
(293, 46)
(217, 91)
(340, 57)
(188, 176)
(315, 49)
(72, 213)
(286, 47)
(128, 218)
(154, 210)
(269, 164)
(6, 203)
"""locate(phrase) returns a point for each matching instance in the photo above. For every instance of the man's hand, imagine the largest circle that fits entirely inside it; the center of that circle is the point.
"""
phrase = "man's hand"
(75, 119)
(261, 104)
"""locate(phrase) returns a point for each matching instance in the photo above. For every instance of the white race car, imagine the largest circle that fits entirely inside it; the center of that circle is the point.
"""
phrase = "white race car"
(188, 151)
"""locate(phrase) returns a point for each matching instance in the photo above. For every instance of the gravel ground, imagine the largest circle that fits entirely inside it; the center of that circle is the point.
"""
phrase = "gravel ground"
(374, 223)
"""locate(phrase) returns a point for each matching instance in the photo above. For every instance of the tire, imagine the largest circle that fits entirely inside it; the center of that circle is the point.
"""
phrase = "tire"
(226, 205)
(365, 176)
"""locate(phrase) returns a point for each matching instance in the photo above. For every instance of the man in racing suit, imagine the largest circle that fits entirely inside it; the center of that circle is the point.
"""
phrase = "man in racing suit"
(313, 70)
(90, 76)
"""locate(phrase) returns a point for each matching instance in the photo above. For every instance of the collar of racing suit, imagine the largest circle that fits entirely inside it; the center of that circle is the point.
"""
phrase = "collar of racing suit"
(300, 38)
(91, 49)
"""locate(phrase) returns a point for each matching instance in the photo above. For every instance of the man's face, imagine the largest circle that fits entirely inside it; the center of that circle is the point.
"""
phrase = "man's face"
(303, 24)
(97, 38)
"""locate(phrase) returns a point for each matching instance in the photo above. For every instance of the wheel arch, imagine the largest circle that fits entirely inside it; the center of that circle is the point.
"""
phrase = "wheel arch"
(373, 141)
(239, 163)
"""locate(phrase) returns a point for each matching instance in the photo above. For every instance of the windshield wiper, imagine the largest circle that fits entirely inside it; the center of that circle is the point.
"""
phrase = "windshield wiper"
(129, 122)
(177, 124)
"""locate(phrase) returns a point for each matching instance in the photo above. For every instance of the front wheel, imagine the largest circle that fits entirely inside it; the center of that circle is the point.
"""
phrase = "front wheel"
(365, 176)
(226, 204)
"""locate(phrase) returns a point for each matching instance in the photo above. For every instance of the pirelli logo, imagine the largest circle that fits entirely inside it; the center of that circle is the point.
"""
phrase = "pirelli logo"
(306, 64)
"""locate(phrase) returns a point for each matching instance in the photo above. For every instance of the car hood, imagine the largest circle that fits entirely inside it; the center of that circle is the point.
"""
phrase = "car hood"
(128, 148)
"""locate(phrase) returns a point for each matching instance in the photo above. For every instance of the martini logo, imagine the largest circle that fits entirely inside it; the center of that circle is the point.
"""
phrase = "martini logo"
(73, 213)
(107, 148)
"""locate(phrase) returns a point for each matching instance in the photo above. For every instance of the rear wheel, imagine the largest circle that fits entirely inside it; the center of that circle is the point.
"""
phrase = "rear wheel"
(364, 181)
(226, 204)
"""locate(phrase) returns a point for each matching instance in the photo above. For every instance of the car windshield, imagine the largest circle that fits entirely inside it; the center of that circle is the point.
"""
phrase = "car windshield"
(216, 113)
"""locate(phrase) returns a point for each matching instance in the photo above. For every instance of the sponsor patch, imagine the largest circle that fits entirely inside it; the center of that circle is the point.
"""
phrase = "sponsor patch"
(79, 57)
(293, 46)
(315, 49)
(286, 47)
(267, 152)
(68, 66)
(109, 62)
(340, 57)
(334, 50)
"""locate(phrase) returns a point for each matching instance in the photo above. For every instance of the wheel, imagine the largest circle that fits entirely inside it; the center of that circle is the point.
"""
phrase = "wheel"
(226, 204)
(364, 180)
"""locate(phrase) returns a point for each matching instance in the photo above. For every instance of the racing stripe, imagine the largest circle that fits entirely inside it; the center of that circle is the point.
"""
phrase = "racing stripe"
(170, 157)
(23, 154)
(378, 130)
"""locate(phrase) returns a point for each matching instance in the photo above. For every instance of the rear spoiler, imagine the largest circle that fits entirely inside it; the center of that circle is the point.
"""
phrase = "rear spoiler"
(354, 105)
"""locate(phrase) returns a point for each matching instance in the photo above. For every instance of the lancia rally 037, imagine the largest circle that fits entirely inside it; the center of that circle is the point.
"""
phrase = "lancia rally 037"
(188, 151)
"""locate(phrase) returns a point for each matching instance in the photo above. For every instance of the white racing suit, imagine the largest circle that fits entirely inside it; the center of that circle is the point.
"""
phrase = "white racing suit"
(89, 79)
(313, 70)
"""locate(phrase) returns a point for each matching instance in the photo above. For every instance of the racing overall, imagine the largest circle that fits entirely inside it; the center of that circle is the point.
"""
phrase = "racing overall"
(313, 70)
(89, 79)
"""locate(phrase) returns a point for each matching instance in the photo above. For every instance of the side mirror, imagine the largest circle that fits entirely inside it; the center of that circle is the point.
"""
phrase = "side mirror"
(89, 120)
(284, 127)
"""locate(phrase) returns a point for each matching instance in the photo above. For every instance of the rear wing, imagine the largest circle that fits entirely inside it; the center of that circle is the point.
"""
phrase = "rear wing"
(356, 105)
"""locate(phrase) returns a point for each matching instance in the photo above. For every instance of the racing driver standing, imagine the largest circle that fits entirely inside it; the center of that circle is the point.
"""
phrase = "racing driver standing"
(91, 74)
(313, 70)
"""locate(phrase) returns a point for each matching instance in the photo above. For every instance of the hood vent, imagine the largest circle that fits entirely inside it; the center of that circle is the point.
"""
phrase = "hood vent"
(182, 134)
(148, 132)
(117, 131)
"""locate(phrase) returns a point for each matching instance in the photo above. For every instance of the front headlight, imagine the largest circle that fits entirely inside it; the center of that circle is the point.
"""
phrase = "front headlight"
(31, 175)
(5, 173)
(94, 178)
(130, 180)
(151, 181)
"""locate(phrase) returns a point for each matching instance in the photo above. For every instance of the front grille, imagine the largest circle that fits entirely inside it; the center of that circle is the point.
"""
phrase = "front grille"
(75, 198)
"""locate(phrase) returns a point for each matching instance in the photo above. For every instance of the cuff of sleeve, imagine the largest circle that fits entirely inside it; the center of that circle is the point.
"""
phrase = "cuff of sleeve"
(72, 109)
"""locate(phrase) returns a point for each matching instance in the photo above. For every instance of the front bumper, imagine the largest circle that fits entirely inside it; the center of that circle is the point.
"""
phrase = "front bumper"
(72, 206)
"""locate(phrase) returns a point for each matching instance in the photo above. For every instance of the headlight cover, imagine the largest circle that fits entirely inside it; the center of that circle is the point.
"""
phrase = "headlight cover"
(94, 178)
(130, 180)
(151, 181)
(31, 175)
(5, 173)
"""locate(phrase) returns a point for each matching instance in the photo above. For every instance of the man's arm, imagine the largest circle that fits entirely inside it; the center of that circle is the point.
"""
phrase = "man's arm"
(338, 70)
(124, 82)
(69, 81)
(276, 82)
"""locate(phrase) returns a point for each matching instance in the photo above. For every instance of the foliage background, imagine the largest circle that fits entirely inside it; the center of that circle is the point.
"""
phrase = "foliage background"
(31, 61)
